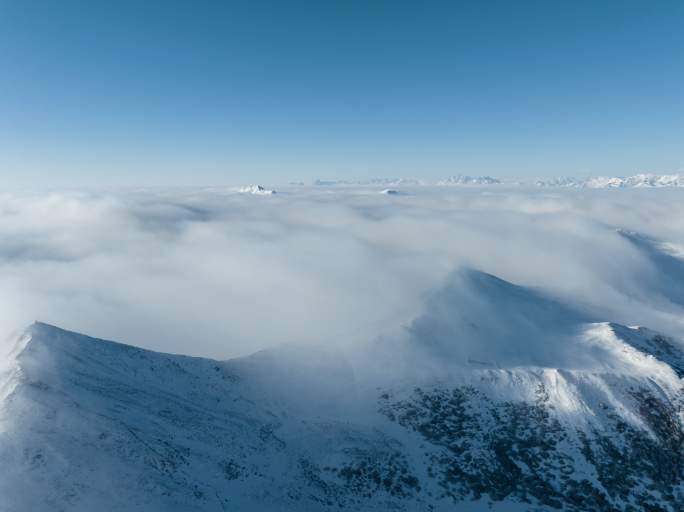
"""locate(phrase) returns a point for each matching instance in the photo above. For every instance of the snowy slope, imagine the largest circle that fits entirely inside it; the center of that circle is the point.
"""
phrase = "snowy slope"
(496, 396)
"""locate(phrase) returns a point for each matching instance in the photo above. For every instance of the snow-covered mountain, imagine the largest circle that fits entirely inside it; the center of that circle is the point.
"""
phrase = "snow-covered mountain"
(496, 396)
(595, 182)
(565, 181)
(469, 180)
(257, 190)
(636, 181)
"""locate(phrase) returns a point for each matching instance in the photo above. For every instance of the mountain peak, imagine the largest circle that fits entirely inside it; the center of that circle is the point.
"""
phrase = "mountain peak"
(478, 316)
(550, 408)
(39, 328)
(55, 339)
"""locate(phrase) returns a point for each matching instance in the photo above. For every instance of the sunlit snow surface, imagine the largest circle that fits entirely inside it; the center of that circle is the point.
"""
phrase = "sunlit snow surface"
(437, 350)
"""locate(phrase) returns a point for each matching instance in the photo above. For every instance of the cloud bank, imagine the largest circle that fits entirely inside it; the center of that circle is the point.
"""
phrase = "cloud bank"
(217, 273)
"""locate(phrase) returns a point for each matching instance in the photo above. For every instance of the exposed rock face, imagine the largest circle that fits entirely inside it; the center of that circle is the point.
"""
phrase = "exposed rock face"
(477, 447)
(257, 190)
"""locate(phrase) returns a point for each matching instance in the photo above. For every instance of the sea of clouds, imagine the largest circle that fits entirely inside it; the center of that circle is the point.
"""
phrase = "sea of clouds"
(218, 273)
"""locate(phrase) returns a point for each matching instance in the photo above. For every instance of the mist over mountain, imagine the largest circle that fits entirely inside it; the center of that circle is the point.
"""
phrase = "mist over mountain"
(342, 349)
(213, 272)
(341, 256)
(540, 406)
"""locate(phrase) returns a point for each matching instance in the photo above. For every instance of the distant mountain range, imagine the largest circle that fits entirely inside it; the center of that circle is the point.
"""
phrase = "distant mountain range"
(469, 180)
(372, 181)
(636, 181)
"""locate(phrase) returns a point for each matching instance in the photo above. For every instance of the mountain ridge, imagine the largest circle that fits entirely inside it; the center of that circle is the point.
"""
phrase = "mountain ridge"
(643, 180)
(92, 422)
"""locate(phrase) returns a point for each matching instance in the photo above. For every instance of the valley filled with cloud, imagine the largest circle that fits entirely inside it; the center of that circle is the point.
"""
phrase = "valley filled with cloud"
(215, 272)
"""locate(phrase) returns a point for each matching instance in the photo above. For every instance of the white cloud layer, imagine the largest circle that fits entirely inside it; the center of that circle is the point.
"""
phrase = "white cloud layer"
(216, 273)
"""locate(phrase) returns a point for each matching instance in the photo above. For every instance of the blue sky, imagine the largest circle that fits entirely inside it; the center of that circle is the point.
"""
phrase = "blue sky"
(219, 92)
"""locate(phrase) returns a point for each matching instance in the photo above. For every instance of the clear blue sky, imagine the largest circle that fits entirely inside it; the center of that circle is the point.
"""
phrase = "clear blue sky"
(219, 92)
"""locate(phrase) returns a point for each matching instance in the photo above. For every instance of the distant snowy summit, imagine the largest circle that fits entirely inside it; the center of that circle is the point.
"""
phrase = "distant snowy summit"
(458, 180)
(469, 180)
(565, 181)
(257, 190)
(636, 181)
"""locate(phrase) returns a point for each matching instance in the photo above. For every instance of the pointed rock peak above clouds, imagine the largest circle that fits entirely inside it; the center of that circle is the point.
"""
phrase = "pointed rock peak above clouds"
(257, 190)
